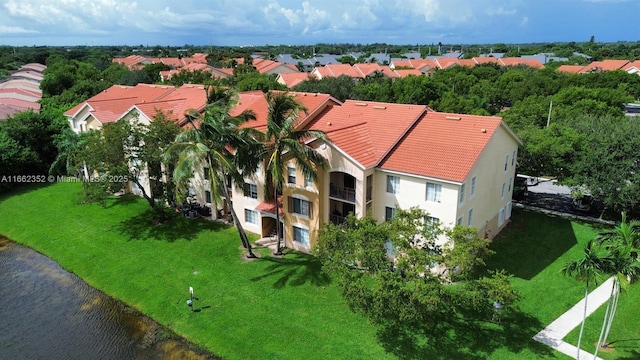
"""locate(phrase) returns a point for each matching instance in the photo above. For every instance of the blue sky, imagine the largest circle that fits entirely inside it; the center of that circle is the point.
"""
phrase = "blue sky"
(295, 22)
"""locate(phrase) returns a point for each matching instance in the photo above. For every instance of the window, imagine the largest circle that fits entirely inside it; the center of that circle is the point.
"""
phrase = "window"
(510, 182)
(206, 173)
(431, 220)
(473, 186)
(459, 221)
(470, 217)
(369, 187)
(506, 162)
(513, 158)
(502, 191)
(393, 184)
(251, 216)
(301, 235)
(462, 193)
(291, 175)
(509, 209)
(207, 195)
(501, 217)
(433, 192)
(389, 213)
(251, 191)
(300, 207)
(308, 182)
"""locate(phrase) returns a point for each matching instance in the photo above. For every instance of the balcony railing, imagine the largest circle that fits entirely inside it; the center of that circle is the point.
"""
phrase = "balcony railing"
(336, 219)
(342, 193)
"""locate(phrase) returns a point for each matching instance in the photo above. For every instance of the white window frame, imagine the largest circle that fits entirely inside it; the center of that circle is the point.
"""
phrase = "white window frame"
(437, 192)
(304, 204)
(459, 221)
(248, 191)
(308, 182)
(461, 197)
(506, 162)
(303, 231)
(388, 209)
(513, 158)
(470, 220)
(393, 184)
(250, 216)
(291, 178)
(501, 217)
(473, 186)
(502, 191)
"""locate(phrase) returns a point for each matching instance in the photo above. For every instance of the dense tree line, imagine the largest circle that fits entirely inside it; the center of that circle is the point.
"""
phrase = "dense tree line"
(554, 113)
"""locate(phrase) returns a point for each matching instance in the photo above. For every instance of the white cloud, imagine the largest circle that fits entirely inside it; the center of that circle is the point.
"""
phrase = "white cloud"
(15, 30)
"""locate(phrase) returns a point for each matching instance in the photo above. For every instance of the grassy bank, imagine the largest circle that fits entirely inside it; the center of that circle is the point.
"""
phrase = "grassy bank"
(277, 308)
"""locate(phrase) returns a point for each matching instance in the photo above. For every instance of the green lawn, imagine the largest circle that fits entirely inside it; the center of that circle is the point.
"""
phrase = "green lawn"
(285, 308)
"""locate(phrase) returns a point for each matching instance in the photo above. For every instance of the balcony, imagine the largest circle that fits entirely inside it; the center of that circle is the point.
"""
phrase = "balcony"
(342, 193)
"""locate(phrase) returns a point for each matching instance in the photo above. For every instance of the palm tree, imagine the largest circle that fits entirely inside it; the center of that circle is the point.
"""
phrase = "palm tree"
(623, 243)
(590, 270)
(213, 145)
(284, 141)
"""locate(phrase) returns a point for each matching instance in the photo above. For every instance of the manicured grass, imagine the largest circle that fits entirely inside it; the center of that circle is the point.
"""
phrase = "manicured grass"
(286, 308)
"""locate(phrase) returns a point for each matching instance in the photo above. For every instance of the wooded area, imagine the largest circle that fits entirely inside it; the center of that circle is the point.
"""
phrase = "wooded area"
(573, 125)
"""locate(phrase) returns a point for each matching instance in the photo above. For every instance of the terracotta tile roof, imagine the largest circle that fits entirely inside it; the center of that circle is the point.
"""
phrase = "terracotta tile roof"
(20, 103)
(367, 130)
(34, 66)
(21, 94)
(131, 61)
(257, 101)
(423, 65)
(270, 207)
(442, 145)
(367, 69)
(631, 64)
(110, 104)
(336, 70)
(467, 62)
(292, 79)
(402, 73)
(8, 110)
(176, 103)
(191, 67)
(604, 65)
(513, 61)
(446, 62)
(574, 69)
(485, 60)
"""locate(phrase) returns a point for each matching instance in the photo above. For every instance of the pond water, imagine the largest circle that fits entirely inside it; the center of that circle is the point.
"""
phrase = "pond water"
(49, 313)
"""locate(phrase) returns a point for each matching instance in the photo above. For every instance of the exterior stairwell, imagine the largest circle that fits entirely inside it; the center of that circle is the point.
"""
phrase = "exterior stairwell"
(269, 241)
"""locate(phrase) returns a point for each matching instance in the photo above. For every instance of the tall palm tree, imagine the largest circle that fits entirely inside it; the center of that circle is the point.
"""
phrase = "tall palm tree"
(623, 243)
(590, 270)
(213, 145)
(284, 141)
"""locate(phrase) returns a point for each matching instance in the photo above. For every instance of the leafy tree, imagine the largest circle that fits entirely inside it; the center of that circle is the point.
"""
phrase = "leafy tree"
(340, 87)
(590, 269)
(623, 244)
(605, 166)
(209, 145)
(387, 271)
(282, 142)
(124, 152)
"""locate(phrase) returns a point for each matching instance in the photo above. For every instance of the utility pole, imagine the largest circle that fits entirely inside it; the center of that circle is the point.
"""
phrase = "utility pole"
(549, 116)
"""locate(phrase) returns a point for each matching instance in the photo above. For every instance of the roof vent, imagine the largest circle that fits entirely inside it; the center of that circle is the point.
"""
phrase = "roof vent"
(453, 118)
(484, 131)
(329, 123)
(361, 104)
(380, 107)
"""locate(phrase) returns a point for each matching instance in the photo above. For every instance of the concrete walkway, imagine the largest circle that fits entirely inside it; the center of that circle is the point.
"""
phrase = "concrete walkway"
(553, 334)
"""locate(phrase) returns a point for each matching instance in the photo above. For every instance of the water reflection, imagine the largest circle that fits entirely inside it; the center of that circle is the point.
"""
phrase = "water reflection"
(48, 313)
